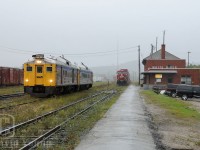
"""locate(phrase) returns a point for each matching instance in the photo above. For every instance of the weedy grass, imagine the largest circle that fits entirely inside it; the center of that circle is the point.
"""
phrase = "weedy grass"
(11, 89)
(16, 101)
(80, 126)
(177, 108)
(77, 127)
(43, 105)
(197, 143)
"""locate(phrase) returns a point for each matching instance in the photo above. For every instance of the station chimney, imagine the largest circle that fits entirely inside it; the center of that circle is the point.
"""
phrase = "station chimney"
(163, 51)
(163, 47)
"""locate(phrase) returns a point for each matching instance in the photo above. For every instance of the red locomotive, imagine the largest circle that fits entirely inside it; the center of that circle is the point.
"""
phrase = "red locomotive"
(123, 77)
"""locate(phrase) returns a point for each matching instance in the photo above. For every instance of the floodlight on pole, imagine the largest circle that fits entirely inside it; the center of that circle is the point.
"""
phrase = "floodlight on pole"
(188, 58)
(139, 63)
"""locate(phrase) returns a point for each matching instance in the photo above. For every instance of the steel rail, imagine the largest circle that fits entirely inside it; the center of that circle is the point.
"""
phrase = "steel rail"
(10, 129)
(45, 136)
(11, 106)
(5, 96)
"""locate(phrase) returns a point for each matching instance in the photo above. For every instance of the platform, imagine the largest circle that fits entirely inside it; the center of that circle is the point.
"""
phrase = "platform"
(123, 127)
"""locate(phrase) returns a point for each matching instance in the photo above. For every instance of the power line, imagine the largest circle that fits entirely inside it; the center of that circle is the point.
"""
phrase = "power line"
(15, 49)
(101, 53)
(105, 54)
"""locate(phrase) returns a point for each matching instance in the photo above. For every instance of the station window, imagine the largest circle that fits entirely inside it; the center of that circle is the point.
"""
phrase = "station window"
(49, 69)
(186, 80)
(28, 68)
(170, 80)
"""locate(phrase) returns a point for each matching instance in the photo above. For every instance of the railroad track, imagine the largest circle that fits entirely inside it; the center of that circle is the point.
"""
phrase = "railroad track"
(7, 96)
(9, 130)
(34, 143)
(20, 104)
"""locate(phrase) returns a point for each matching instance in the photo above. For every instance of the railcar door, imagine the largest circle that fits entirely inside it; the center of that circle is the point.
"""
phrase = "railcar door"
(39, 80)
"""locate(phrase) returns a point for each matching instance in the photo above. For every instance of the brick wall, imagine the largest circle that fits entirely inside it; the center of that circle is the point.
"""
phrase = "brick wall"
(164, 63)
(193, 73)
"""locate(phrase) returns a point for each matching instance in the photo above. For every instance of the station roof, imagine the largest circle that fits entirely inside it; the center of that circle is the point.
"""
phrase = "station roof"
(157, 56)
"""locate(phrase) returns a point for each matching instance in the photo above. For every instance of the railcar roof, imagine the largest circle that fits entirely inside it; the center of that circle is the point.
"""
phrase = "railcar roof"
(81, 68)
(51, 61)
(123, 70)
(57, 62)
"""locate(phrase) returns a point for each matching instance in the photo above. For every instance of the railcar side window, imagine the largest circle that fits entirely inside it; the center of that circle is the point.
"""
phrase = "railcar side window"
(28, 68)
(49, 69)
(39, 69)
(65, 73)
(84, 75)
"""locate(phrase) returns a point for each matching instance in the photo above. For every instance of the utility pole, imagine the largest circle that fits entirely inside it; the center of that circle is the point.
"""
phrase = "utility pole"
(164, 37)
(152, 47)
(139, 63)
(117, 54)
(156, 44)
(188, 58)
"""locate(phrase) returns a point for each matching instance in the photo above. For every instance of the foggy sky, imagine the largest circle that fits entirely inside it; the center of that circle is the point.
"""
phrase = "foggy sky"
(82, 27)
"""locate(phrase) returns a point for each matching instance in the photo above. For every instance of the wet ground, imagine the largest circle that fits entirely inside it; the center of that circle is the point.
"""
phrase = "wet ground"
(124, 127)
(172, 133)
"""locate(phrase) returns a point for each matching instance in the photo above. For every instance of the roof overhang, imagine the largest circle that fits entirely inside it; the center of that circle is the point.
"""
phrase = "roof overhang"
(160, 71)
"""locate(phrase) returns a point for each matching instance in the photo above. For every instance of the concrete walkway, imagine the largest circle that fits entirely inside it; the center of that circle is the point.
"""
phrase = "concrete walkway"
(123, 127)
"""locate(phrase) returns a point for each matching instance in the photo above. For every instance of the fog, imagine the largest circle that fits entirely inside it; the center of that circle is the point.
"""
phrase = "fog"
(95, 32)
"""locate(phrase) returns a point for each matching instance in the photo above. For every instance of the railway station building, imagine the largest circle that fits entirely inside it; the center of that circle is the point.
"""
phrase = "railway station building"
(162, 67)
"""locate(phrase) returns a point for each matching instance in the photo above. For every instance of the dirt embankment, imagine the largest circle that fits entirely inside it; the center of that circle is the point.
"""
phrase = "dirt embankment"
(170, 133)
